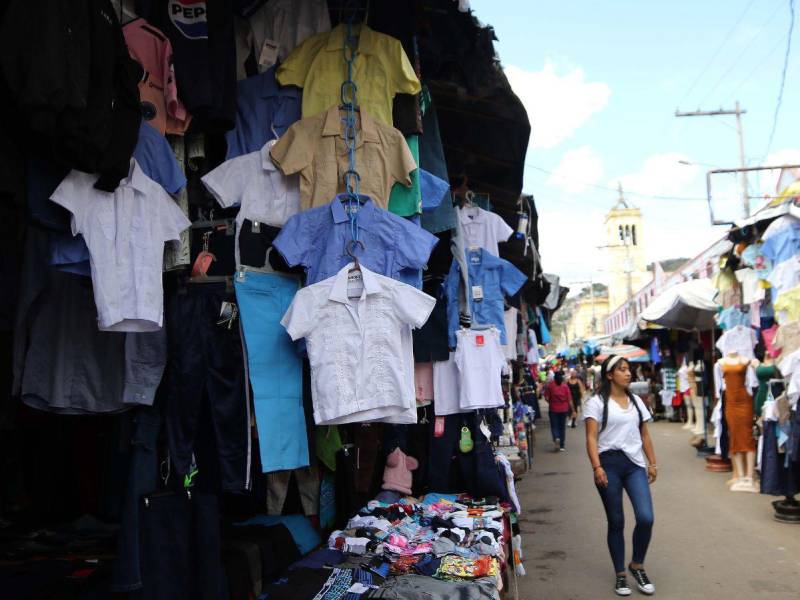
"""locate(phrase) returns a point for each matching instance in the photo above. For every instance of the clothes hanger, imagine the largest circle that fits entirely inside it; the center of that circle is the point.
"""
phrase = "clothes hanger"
(350, 252)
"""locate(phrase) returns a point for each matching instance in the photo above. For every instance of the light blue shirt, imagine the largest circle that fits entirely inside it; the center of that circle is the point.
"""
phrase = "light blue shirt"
(264, 111)
(492, 277)
(317, 239)
(783, 245)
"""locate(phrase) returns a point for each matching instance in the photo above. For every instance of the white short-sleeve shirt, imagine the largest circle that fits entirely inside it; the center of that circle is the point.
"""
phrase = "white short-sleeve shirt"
(740, 339)
(483, 229)
(622, 427)
(252, 182)
(125, 231)
(357, 347)
(481, 361)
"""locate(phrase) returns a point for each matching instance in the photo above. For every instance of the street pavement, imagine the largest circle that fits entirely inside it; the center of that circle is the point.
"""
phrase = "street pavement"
(707, 542)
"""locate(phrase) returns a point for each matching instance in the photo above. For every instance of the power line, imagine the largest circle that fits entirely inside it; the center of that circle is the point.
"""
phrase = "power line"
(717, 51)
(740, 55)
(758, 65)
(627, 192)
(783, 78)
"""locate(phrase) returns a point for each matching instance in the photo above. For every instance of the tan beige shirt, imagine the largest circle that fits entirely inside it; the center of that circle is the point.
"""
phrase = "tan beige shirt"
(788, 338)
(315, 148)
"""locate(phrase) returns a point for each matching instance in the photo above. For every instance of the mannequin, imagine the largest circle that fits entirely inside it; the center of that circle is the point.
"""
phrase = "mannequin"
(739, 381)
(685, 387)
(696, 374)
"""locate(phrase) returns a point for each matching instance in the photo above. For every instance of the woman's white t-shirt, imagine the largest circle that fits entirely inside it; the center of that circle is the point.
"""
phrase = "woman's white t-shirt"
(622, 427)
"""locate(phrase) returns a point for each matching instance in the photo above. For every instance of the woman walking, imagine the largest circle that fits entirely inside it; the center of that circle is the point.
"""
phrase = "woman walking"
(577, 389)
(616, 436)
(559, 398)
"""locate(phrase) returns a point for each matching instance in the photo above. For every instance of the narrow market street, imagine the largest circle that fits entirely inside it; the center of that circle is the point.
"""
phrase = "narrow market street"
(707, 543)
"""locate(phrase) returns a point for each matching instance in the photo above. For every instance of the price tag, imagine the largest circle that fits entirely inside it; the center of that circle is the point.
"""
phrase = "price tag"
(477, 292)
(438, 427)
(480, 340)
(269, 53)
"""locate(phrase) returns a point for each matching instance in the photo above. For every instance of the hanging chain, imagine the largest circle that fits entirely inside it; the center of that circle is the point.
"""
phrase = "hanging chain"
(349, 90)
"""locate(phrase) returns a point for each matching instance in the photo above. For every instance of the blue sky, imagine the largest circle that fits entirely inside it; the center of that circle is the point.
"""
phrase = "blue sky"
(601, 82)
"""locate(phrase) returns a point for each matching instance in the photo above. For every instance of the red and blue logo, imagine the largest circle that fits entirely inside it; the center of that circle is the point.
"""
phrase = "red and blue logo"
(189, 17)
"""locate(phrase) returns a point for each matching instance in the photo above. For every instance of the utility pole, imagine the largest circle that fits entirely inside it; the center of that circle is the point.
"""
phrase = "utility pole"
(738, 112)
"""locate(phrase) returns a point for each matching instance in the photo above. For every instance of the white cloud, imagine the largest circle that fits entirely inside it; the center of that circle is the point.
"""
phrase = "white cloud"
(662, 175)
(557, 104)
(578, 169)
(672, 228)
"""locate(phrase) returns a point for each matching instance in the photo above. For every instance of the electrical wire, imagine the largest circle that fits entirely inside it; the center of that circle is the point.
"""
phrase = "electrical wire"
(740, 55)
(758, 65)
(783, 79)
(717, 51)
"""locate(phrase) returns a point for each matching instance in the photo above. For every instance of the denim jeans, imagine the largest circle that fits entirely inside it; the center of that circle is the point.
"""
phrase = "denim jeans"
(623, 473)
(558, 426)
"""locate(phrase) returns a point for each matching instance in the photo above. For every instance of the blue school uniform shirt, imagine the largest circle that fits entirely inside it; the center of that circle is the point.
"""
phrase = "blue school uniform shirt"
(264, 111)
(318, 238)
(496, 279)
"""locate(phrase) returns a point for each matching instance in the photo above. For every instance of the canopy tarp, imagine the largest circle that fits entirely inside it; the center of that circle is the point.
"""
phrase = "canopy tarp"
(689, 305)
(629, 352)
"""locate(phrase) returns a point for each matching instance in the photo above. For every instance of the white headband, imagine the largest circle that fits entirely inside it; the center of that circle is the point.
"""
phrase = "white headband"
(614, 360)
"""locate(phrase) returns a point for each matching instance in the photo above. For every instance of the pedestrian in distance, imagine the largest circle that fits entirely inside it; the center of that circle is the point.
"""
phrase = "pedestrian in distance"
(577, 389)
(617, 442)
(559, 398)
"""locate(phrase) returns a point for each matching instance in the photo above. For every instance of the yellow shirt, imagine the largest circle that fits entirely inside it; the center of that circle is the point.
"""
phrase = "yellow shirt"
(381, 70)
(787, 306)
(315, 148)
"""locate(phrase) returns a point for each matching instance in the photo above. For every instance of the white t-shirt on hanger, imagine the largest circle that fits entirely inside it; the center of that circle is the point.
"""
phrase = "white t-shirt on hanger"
(740, 339)
(481, 362)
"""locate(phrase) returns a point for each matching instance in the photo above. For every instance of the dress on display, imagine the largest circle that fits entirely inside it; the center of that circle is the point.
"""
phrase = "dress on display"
(764, 374)
(738, 409)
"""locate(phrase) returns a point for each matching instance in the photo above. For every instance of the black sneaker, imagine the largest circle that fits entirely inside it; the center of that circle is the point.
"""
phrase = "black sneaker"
(642, 582)
(621, 587)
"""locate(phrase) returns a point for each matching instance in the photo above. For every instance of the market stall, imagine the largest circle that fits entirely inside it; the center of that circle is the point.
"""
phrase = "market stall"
(268, 291)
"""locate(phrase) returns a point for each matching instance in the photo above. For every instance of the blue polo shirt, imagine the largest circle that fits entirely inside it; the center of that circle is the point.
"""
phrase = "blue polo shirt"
(495, 278)
(317, 239)
(264, 111)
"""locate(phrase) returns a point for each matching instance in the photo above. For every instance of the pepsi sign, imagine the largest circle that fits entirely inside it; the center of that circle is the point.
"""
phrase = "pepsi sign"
(189, 17)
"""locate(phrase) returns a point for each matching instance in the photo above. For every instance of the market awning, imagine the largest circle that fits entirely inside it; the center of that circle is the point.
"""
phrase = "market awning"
(689, 305)
(631, 353)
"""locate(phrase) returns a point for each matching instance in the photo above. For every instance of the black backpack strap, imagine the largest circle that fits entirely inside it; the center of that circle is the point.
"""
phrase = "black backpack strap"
(605, 412)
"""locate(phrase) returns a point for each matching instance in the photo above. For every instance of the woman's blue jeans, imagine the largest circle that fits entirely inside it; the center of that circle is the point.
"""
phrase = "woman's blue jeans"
(624, 474)
(558, 426)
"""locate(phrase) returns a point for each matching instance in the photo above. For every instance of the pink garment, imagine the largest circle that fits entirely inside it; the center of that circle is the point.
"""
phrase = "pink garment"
(397, 474)
(769, 341)
(161, 107)
(423, 382)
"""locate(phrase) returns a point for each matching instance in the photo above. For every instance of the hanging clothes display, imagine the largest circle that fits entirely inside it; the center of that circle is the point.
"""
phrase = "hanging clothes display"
(315, 148)
(381, 70)
(490, 280)
(355, 344)
(243, 261)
